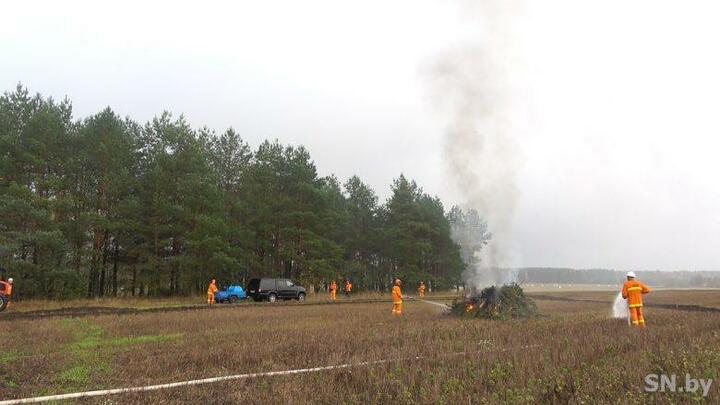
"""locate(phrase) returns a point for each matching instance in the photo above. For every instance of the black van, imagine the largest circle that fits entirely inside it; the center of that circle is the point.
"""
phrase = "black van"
(273, 289)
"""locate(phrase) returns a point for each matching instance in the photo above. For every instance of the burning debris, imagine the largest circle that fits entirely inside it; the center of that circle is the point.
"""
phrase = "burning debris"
(506, 302)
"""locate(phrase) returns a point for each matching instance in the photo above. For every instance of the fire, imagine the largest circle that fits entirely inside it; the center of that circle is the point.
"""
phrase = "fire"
(508, 301)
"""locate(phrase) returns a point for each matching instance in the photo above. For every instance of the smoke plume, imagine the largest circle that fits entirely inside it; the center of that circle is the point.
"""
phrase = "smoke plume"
(471, 85)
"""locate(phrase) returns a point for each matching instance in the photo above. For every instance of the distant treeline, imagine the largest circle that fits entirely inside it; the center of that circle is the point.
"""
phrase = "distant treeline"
(677, 279)
(107, 206)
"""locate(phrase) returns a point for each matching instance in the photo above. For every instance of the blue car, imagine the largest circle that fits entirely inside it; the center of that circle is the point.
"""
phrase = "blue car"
(232, 294)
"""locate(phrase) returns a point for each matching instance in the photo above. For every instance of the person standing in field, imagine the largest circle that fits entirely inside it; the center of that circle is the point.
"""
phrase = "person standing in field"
(333, 290)
(421, 289)
(348, 287)
(7, 290)
(633, 291)
(397, 298)
(212, 289)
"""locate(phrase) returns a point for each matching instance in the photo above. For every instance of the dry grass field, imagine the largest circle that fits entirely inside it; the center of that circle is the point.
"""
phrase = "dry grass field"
(573, 354)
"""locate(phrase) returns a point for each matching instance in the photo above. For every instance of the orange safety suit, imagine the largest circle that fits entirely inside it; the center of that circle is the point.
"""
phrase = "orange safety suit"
(7, 289)
(333, 290)
(348, 288)
(212, 289)
(397, 300)
(421, 290)
(632, 291)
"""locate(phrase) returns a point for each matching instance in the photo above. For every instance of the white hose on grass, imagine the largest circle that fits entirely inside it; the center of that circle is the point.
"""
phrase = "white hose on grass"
(97, 393)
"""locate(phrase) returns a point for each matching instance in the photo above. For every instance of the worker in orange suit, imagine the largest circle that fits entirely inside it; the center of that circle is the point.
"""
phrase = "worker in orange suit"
(397, 298)
(7, 287)
(633, 291)
(212, 289)
(348, 288)
(421, 289)
(333, 290)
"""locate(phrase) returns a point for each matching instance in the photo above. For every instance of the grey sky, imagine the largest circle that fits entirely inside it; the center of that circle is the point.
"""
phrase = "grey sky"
(615, 103)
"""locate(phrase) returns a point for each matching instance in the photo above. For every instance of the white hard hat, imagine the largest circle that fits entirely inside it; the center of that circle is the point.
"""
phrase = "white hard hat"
(630, 274)
(10, 280)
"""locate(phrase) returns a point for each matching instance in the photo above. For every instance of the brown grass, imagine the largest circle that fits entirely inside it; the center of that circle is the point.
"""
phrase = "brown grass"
(577, 355)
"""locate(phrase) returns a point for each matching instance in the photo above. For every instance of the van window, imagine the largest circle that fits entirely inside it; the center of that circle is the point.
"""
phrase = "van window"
(267, 284)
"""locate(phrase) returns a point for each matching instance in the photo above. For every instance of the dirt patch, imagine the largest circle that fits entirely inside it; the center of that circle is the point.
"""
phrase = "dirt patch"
(77, 312)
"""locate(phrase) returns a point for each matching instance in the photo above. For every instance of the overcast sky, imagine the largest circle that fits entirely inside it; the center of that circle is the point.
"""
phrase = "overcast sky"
(615, 115)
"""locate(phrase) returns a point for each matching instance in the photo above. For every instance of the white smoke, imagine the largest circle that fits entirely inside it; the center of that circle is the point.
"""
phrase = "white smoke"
(472, 87)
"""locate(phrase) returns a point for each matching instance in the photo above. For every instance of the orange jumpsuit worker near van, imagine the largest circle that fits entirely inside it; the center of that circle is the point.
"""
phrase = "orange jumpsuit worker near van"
(421, 289)
(333, 290)
(633, 291)
(212, 289)
(397, 298)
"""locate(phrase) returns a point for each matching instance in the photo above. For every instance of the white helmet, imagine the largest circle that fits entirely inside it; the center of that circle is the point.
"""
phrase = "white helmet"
(630, 274)
(10, 280)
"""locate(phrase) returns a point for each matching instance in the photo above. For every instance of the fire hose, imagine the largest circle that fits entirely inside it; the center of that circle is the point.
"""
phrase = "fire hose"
(96, 393)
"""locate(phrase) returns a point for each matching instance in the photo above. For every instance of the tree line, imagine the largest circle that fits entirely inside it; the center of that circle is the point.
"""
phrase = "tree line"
(105, 206)
(656, 278)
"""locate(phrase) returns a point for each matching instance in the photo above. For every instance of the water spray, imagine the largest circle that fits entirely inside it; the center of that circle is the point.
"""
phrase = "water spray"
(439, 304)
(620, 308)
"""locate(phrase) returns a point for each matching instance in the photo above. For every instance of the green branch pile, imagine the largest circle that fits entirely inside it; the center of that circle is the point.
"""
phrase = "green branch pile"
(506, 302)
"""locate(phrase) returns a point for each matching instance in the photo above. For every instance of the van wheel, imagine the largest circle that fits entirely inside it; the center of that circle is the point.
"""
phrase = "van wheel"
(301, 297)
(272, 297)
(233, 299)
